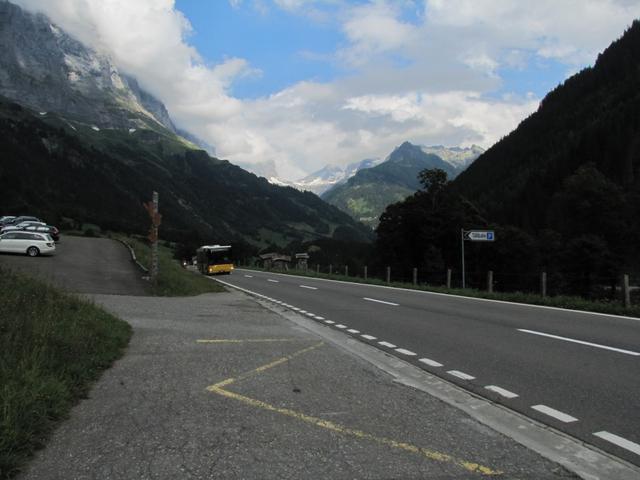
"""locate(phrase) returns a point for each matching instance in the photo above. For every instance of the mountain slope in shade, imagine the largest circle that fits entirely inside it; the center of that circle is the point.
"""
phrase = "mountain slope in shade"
(365, 195)
(592, 118)
(53, 170)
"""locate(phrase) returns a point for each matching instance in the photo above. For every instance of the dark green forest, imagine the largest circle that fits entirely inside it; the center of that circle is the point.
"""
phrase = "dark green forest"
(562, 192)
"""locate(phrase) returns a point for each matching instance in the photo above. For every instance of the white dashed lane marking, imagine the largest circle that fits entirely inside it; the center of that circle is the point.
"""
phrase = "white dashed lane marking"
(330, 322)
(272, 280)
(249, 276)
(581, 342)
(619, 441)
(369, 337)
(461, 375)
(308, 287)
(341, 326)
(408, 353)
(501, 391)
(431, 363)
(380, 301)
(387, 344)
(557, 414)
(351, 330)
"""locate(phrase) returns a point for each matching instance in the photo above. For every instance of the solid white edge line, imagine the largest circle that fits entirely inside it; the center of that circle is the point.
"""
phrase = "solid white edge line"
(581, 342)
(380, 301)
(557, 414)
(308, 287)
(461, 375)
(431, 363)
(369, 337)
(524, 305)
(387, 344)
(501, 391)
(409, 353)
(619, 441)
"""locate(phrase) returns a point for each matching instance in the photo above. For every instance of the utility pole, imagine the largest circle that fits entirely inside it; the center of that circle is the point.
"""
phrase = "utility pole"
(462, 244)
(156, 219)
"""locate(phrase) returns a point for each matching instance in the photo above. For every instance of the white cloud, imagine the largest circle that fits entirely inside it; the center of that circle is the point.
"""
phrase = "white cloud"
(441, 93)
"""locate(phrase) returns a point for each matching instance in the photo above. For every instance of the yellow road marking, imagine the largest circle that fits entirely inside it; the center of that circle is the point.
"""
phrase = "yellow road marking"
(248, 340)
(318, 422)
(261, 369)
(328, 425)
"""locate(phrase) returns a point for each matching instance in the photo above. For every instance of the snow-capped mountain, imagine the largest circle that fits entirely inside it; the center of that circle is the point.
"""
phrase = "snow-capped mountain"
(44, 68)
(458, 157)
(327, 177)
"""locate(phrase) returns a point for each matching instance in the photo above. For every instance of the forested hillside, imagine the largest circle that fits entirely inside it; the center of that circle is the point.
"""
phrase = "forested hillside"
(55, 168)
(562, 190)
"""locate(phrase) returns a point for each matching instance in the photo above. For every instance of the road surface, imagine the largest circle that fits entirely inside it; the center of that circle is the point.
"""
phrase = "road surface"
(575, 371)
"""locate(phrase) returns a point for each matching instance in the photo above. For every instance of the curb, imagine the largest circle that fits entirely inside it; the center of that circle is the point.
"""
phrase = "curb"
(133, 256)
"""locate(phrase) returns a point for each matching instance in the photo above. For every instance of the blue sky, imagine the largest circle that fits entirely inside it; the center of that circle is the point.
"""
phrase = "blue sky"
(285, 87)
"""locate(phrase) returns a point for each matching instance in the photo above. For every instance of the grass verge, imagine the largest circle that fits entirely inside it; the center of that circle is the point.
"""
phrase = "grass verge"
(52, 347)
(559, 301)
(173, 279)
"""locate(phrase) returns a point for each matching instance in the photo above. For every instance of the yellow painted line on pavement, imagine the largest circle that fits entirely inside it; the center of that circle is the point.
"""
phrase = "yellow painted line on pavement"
(248, 340)
(334, 427)
(261, 369)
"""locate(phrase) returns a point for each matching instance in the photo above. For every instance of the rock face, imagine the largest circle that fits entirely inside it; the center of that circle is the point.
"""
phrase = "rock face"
(44, 68)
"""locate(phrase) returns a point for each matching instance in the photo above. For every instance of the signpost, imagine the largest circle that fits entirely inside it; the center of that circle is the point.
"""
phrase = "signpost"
(474, 236)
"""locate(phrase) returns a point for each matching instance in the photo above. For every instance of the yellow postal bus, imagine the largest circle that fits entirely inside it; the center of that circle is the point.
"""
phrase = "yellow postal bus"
(214, 259)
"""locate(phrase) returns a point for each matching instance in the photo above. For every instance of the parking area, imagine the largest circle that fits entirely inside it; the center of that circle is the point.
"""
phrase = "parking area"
(83, 265)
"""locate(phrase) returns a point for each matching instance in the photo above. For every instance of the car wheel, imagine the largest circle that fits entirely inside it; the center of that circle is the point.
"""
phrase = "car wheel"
(33, 251)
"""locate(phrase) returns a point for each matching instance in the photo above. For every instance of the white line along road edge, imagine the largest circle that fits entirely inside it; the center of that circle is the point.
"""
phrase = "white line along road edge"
(581, 342)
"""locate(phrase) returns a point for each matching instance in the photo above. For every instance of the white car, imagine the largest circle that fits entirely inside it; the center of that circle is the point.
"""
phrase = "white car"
(32, 244)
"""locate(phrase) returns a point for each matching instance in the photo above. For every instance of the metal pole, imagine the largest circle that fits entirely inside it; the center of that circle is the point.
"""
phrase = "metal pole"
(330, 269)
(415, 276)
(154, 240)
(317, 268)
(490, 281)
(346, 270)
(365, 272)
(462, 243)
(448, 278)
(625, 291)
(388, 274)
(543, 284)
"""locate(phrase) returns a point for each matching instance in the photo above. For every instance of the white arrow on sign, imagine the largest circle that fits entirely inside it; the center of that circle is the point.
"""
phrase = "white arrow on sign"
(480, 235)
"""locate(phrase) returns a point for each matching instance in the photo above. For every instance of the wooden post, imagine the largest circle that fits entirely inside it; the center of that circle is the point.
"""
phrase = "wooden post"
(388, 274)
(625, 291)
(415, 276)
(365, 272)
(490, 281)
(448, 278)
(346, 270)
(156, 219)
(543, 284)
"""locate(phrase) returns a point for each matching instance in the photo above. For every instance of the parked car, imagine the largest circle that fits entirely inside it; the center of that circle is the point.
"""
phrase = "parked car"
(6, 219)
(20, 226)
(23, 218)
(44, 228)
(30, 243)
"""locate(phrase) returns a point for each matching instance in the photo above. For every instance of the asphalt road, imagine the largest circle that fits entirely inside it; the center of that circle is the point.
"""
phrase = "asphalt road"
(589, 390)
(83, 265)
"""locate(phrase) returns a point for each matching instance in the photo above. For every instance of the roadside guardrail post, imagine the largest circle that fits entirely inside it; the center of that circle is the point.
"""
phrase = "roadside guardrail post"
(543, 284)
(346, 270)
(448, 278)
(365, 272)
(625, 291)
(388, 274)
(415, 276)
(317, 268)
(330, 269)
(490, 281)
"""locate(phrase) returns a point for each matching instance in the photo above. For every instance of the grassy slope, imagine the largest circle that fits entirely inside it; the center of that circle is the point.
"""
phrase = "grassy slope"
(52, 347)
(173, 280)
